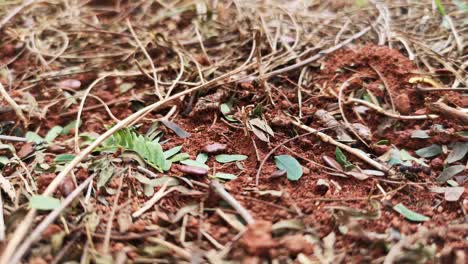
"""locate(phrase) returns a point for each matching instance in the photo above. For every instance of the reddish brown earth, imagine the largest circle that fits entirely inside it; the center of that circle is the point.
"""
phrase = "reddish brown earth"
(303, 199)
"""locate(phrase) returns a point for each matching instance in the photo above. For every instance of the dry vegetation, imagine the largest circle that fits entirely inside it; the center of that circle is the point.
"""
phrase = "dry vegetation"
(233, 131)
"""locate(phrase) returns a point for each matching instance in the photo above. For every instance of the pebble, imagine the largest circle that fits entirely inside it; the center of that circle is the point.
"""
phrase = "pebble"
(67, 187)
(193, 170)
(214, 148)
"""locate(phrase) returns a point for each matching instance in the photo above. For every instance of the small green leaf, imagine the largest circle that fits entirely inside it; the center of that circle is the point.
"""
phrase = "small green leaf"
(194, 163)
(420, 134)
(225, 158)
(104, 176)
(383, 142)
(171, 152)
(431, 151)
(179, 157)
(225, 109)
(124, 87)
(458, 152)
(292, 167)
(4, 160)
(449, 172)
(409, 214)
(341, 158)
(42, 202)
(33, 137)
(440, 7)
(202, 158)
(64, 158)
(53, 133)
(225, 176)
(69, 127)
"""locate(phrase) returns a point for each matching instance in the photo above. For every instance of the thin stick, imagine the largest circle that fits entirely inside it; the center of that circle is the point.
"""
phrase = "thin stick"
(150, 203)
(111, 219)
(177, 250)
(13, 138)
(426, 89)
(219, 189)
(23, 228)
(155, 77)
(80, 109)
(397, 116)
(356, 152)
(2, 222)
(13, 105)
(450, 112)
(36, 233)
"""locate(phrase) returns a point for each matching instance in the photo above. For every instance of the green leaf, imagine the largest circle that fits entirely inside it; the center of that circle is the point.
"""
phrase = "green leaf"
(202, 158)
(53, 133)
(225, 158)
(194, 163)
(458, 152)
(42, 202)
(383, 142)
(225, 176)
(440, 7)
(431, 151)
(409, 214)
(105, 175)
(176, 128)
(225, 109)
(179, 157)
(292, 167)
(69, 127)
(4, 160)
(64, 158)
(33, 137)
(124, 87)
(449, 172)
(419, 134)
(171, 152)
(341, 158)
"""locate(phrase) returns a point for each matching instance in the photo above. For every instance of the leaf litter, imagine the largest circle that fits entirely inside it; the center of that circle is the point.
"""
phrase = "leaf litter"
(277, 64)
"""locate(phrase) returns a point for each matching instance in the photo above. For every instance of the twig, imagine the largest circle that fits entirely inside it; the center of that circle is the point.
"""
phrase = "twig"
(386, 86)
(13, 138)
(342, 112)
(13, 105)
(450, 112)
(427, 89)
(177, 250)
(2, 222)
(219, 189)
(150, 203)
(155, 77)
(356, 152)
(50, 218)
(397, 116)
(65, 249)
(105, 247)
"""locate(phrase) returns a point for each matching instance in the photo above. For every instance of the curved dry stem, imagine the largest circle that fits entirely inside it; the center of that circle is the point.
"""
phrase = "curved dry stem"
(13, 105)
(397, 116)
